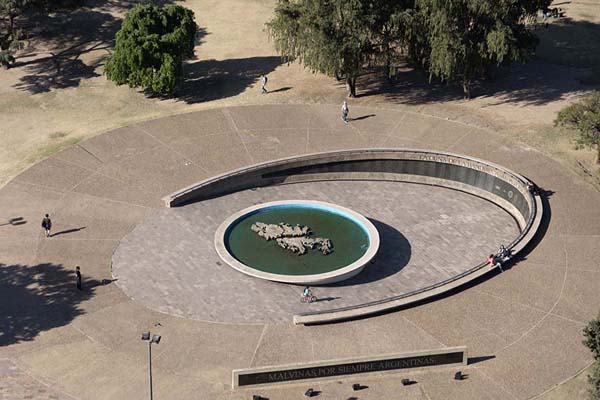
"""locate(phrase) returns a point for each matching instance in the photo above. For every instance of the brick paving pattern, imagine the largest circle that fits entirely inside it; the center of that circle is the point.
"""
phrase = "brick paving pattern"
(428, 234)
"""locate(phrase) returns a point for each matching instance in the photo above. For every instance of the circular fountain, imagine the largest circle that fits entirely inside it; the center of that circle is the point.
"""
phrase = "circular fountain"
(297, 241)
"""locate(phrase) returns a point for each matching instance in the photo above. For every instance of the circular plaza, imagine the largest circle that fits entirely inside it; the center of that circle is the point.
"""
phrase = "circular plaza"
(151, 267)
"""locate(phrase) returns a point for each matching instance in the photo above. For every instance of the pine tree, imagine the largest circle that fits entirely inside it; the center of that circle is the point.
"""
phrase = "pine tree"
(339, 38)
(151, 46)
(461, 40)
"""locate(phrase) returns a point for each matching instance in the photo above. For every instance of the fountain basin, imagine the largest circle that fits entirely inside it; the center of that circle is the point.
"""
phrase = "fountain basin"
(355, 242)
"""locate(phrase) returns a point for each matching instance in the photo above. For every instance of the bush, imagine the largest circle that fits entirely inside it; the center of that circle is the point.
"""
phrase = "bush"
(592, 341)
(592, 337)
(151, 46)
(585, 118)
(6, 59)
(594, 380)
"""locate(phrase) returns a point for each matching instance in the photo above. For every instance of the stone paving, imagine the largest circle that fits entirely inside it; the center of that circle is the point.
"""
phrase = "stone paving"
(523, 328)
(428, 234)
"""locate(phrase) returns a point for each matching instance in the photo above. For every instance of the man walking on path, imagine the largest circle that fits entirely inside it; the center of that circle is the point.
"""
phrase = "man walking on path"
(263, 84)
(47, 225)
(78, 277)
(345, 111)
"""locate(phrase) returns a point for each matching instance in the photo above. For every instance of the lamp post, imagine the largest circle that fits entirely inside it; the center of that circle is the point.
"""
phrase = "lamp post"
(151, 339)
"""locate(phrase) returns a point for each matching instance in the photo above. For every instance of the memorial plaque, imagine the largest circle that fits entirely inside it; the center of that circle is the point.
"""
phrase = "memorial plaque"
(336, 368)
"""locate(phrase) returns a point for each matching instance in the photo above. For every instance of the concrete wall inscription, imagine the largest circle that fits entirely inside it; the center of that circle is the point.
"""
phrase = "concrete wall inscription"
(265, 376)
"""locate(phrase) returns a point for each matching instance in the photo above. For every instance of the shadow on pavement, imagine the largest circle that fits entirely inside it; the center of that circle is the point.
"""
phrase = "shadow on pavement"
(34, 299)
(67, 231)
(475, 360)
(393, 255)
(15, 221)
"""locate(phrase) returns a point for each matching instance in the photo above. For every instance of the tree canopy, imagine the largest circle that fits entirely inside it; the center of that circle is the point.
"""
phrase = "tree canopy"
(151, 46)
(336, 37)
(10, 33)
(12, 14)
(452, 40)
(461, 40)
(585, 118)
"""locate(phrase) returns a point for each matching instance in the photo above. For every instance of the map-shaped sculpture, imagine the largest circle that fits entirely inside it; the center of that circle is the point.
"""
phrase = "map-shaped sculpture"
(293, 238)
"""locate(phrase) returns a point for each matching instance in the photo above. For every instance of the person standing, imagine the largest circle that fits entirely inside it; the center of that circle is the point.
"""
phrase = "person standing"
(263, 84)
(345, 111)
(47, 225)
(78, 277)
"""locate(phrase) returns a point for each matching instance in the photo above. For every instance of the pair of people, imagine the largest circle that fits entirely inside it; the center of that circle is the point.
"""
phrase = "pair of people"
(497, 259)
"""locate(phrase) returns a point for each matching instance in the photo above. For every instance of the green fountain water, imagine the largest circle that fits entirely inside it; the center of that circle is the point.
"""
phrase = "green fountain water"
(350, 240)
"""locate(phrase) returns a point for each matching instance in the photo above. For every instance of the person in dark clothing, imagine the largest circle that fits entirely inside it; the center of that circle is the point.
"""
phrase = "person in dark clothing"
(78, 277)
(47, 225)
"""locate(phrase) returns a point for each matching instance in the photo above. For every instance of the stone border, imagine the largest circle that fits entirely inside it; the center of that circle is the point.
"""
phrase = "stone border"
(315, 279)
(493, 182)
(334, 369)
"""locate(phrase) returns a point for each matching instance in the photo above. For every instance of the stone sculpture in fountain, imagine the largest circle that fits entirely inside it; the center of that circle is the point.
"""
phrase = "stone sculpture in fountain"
(293, 238)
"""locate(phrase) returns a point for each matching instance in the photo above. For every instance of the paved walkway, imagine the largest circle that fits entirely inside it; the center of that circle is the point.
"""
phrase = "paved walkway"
(523, 326)
(428, 234)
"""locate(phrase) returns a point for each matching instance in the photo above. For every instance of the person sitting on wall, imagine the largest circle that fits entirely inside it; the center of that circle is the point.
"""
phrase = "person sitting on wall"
(495, 262)
(504, 253)
(533, 189)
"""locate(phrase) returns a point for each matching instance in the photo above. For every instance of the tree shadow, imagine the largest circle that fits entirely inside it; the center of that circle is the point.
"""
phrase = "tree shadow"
(393, 255)
(78, 42)
(35, 299)
(208, 80)
(568, 58)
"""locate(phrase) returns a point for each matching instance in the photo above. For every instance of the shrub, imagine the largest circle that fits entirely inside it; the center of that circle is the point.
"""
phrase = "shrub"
(151, 46)
(585, 118)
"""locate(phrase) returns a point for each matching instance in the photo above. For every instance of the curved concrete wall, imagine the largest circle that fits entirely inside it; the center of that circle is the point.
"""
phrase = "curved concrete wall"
(490, 181)
(481, 178)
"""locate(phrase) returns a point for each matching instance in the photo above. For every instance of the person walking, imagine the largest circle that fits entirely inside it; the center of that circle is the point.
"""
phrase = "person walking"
(47, 225)
(263, 84)
(78, 277)
(345, 111)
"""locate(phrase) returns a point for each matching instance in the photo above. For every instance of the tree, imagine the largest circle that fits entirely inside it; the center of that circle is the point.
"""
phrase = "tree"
(594, 380)
(592, 337)
(585, 118)
(10, 34)
(461, 40)
(151, 46)
(339, 38)
(12, 11)
(592, 341)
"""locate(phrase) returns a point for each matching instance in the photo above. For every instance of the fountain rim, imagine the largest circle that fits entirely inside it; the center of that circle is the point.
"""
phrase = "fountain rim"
(336, 275)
